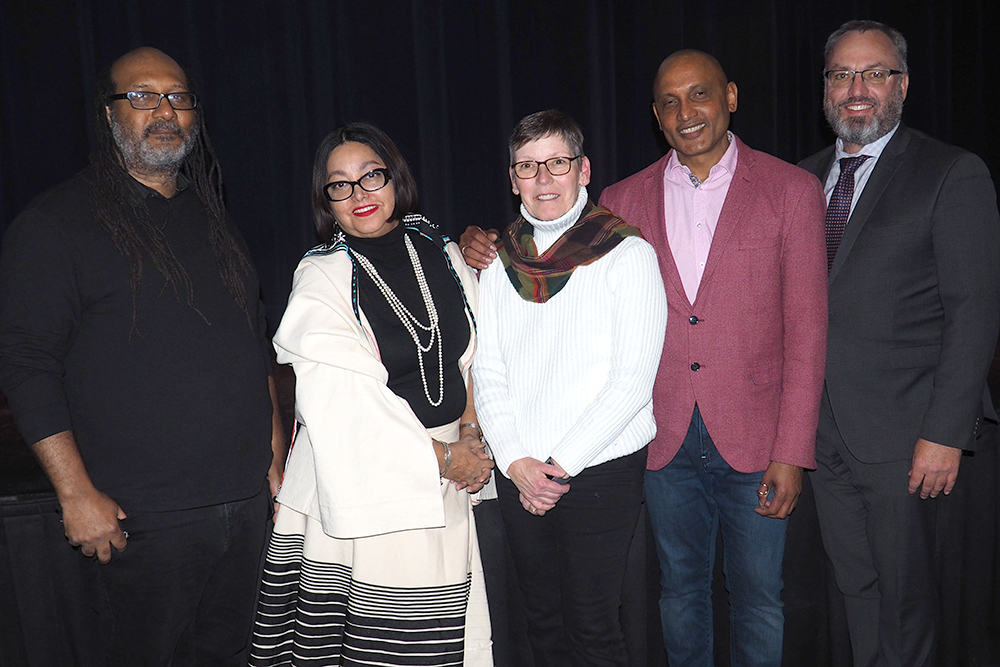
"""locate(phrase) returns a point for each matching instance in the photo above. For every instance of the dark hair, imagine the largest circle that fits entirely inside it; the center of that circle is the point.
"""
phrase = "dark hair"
(542, 124)
(124, 215)
(377, 140)
(896, 37)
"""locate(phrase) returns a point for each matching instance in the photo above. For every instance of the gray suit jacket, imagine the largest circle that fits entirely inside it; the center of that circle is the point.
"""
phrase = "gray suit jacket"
(914, 300)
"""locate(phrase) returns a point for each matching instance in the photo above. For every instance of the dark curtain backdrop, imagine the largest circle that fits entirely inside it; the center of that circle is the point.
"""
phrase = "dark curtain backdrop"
(447, 80)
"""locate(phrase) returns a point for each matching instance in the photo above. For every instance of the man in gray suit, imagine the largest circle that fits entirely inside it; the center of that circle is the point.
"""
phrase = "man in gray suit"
(913, 239)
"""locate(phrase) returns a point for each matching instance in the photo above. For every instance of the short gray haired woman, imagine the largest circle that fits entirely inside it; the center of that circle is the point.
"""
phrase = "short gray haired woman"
(571, 327)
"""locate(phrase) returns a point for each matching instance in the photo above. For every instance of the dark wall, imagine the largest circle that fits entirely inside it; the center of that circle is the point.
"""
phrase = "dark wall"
(447, 80)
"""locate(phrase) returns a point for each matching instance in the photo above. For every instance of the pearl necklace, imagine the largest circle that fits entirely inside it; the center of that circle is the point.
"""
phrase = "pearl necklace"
(411, 323)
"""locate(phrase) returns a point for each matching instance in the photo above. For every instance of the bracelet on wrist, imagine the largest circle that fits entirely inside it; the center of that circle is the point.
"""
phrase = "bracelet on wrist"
(447, 456)
(479, 431)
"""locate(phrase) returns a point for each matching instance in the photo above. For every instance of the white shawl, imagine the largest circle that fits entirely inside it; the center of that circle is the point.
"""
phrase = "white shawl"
(361, 462)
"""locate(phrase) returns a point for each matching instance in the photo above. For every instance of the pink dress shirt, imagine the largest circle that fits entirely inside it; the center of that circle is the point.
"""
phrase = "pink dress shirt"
(692, 210)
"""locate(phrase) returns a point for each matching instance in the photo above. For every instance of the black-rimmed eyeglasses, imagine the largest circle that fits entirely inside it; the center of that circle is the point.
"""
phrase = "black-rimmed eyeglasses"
(556, 166)
(376, 179)
(147, 101)
(841, 78)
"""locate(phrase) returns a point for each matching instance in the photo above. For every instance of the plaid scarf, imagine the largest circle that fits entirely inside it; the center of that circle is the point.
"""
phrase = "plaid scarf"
(537, 277)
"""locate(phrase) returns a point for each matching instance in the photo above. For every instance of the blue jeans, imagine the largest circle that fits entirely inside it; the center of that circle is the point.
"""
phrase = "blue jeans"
(687, 502)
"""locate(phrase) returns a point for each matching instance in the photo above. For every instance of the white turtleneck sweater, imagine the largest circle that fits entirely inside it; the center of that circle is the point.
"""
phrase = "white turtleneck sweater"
(571, 378)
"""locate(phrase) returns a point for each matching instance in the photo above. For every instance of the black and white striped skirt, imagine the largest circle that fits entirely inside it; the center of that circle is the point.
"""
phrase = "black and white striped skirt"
(413, 597)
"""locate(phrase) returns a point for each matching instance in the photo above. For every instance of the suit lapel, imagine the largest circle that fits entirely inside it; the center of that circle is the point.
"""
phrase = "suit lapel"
(668, 267)
(737, 199)
(820, 165)
(885, 170)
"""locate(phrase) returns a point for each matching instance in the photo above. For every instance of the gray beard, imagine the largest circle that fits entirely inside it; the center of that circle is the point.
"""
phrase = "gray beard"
(142, 157)
(859, 131)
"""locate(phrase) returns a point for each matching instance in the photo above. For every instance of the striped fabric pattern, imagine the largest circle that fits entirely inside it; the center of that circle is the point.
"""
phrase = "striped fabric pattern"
(314, 613)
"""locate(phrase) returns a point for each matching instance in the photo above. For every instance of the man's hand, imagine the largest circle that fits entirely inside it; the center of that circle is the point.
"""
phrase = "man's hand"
(276, 471)
(91, 523)
(779, 490)
(274, 475)
(538, 493)
(934, 468)
(90, 517)
(478, 247)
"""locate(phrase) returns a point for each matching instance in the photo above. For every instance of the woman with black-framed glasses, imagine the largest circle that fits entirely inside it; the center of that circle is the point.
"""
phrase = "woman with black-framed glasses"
(374, 557)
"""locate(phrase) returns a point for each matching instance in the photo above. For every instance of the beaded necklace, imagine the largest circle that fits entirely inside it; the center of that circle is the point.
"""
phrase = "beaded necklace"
(411, 323)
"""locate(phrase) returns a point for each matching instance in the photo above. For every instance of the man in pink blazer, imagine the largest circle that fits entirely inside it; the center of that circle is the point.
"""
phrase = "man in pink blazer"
(737, 392)
(740, 241)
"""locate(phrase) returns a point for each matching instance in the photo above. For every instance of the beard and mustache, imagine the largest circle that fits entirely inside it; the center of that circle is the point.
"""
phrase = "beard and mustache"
(863, 131)
(141, 156)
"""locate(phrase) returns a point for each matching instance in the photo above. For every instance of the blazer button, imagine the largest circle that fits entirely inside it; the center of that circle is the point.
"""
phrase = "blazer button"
(693, 319)
(695, 366)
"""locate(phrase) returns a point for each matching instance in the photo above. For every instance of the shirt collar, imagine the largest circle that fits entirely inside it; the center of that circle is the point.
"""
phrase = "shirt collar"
(679, 173)
(874, 149)
(142, 191)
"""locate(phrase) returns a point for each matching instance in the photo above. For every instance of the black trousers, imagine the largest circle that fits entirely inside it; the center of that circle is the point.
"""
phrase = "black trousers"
(183, 592)
(881, 541)
(571, 562)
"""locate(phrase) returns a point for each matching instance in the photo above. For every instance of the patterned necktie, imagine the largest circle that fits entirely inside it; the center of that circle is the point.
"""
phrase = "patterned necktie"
(839, 208)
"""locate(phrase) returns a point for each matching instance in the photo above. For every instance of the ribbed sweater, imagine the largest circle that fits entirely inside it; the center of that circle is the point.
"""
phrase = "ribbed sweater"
(571, 378)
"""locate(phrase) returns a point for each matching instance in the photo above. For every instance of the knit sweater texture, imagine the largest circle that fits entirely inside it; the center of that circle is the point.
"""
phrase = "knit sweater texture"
(571, 378)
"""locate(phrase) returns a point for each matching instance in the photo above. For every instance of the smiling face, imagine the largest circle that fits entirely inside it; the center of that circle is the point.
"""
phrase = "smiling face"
(859, 113)
(547, 197)
(153, 140)
(692, 102)
(364, 214)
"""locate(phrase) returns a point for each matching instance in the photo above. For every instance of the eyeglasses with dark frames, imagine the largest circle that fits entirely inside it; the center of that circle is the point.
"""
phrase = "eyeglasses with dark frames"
(556, 166)
(877, 76)
(145, 100)
(376, 179)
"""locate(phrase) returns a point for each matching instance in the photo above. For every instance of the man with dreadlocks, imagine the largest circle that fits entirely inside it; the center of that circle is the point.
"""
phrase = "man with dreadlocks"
(133, 353)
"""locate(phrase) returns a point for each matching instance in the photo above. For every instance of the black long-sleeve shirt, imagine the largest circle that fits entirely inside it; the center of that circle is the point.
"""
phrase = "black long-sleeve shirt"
(170, 411)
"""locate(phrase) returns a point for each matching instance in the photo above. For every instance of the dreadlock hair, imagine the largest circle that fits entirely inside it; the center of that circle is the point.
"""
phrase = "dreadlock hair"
(124, 215)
